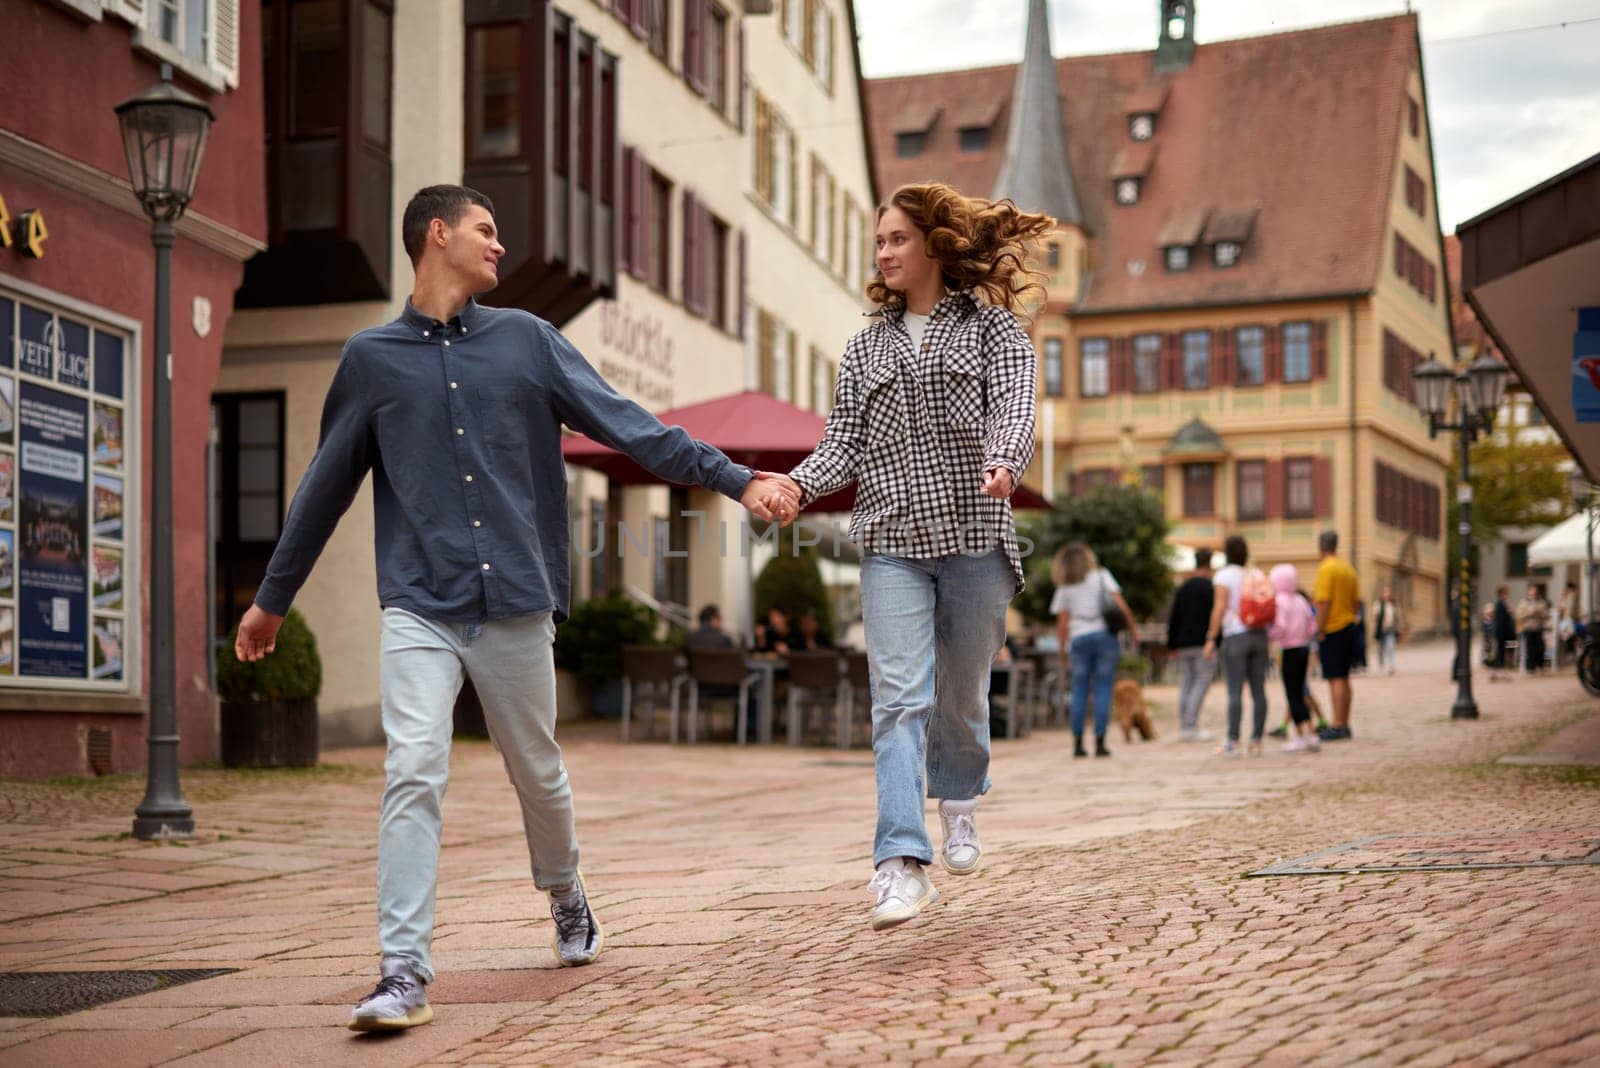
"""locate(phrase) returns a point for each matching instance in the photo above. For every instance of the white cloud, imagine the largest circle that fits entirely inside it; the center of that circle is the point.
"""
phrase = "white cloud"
(1507, 110)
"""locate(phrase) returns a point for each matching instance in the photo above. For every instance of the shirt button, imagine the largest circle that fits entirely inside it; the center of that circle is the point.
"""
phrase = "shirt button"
(447, 344)
(469, 478)
(452, 385)
(424, 333)
(460, 431)
(477, 522)
(486, 567)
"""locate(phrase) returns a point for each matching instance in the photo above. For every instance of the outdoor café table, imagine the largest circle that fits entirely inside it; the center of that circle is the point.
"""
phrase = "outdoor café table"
(769, 667)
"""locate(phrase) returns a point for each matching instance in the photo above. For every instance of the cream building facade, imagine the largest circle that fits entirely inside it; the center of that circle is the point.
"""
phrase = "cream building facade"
(691, 277)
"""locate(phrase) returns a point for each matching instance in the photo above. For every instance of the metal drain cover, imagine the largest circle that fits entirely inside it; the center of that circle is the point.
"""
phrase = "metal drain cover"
(58, 993)
(1458, 851)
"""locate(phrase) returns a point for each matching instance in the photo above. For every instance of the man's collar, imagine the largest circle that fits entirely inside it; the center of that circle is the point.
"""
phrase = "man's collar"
(465, 320)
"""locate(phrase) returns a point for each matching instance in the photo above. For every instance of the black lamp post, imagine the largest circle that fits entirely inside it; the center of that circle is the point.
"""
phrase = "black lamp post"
(164, 135)
(1479, 391)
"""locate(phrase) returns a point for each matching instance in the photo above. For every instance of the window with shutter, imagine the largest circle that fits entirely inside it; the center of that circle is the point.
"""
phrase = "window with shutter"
(1147, 363)
(1199, 490)
(1250, 477)
(1250, 358)
(1296, 340)
(1299, 488)
(1052, 366)
(1197, 359)
(1094, 367)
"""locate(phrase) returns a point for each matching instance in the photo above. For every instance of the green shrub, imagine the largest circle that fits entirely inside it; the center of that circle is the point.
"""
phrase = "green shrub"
(1135, 666)
(589, 643)
(291, 672)
(794, 583)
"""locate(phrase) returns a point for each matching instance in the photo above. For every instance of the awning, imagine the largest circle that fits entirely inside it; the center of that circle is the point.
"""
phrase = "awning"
(1566, 542)
(755, 429)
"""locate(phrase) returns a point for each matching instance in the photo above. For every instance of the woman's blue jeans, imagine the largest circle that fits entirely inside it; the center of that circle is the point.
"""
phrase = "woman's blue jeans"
(1094, 658)
(933, 629)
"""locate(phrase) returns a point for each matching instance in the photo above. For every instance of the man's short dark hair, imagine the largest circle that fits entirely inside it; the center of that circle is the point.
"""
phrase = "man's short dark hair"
(1328, 541)
(1202, 556)
(1236, 550)
(709, 613)
(445, 202)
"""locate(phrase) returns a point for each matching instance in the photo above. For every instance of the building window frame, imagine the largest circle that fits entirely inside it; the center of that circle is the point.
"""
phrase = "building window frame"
(1297, 352)
(1299, 487)
(1195, 349)
(1250, 356)
(1094, 367)
(1147, 363)
(1053, 359)
(1250, 490)
(1199, 490)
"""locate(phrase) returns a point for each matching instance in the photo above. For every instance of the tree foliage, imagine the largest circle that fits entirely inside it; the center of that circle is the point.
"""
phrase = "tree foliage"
(1127, 529)
(291, 672)
(1514, 484)
(793, 582)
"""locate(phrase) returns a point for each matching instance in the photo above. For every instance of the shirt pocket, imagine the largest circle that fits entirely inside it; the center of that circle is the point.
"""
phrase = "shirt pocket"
(963, 382)
(880, 404)
(504, 415)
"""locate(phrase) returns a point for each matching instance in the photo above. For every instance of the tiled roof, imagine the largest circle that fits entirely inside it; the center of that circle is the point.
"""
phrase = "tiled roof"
(1295, 132)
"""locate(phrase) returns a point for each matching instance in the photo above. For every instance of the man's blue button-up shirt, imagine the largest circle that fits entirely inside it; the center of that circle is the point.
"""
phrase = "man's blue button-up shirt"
(460, 425)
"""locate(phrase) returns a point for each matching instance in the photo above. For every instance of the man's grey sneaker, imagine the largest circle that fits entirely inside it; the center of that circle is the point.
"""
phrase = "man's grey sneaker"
(961, 851)
(903, 889)
(396, 1003)
(578, 934)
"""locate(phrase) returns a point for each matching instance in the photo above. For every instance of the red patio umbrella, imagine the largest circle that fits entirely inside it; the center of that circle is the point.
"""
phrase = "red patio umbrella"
(755, 429)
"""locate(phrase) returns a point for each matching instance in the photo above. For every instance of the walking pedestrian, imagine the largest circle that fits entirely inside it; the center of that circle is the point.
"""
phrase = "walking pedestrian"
(1089, 651)
(1243, 646)
(1338, 598)
(1502, 631)
(457, 410)
(1294, 624)
(1533, 616)
(1388, 624)
(933, 419)
(1186, 636)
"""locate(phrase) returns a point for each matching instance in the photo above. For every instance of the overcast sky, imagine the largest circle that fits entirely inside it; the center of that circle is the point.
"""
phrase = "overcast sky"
(1510, 105)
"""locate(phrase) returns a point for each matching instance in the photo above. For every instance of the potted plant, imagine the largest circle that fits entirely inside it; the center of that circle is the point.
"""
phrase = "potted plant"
(269, 707)
(589, 644)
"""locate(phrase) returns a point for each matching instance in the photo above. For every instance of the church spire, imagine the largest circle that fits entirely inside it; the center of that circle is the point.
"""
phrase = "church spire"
(1035, 172)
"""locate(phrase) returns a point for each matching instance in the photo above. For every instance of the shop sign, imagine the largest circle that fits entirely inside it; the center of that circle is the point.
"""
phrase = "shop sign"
(26, 233)
(1586, 366)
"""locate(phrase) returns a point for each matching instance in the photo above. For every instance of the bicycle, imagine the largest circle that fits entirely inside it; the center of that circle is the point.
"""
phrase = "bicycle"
(1589, 660)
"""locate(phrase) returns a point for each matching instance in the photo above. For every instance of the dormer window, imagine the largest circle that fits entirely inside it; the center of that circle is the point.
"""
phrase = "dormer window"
(1226, 232)
(1130, 169)
(1177, 257)
(973, 138)
(1127, 191)
(912, 136)
(1142, 127)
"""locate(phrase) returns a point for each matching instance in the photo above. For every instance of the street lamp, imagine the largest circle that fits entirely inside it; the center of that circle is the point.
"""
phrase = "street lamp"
(164, 135)
(1479, 390)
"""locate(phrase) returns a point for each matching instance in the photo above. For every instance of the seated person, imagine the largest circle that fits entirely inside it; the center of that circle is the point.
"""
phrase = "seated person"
(709, 634)
(773, 639)
(811, 637)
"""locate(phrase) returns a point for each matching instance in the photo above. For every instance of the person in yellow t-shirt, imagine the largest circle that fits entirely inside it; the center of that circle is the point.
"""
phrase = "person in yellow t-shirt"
(1336, 594)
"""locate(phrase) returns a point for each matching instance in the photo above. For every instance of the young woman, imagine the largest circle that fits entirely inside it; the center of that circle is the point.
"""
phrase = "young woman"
(933, 419)
(1294, 624)
(1088, 649)
(1243, 649)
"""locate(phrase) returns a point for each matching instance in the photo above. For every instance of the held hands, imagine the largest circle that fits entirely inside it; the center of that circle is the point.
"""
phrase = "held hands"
(258, 634)
(773, 497)
(999, 482)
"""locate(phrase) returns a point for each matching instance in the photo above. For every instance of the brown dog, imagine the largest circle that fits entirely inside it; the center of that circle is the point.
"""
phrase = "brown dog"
(1128, 707)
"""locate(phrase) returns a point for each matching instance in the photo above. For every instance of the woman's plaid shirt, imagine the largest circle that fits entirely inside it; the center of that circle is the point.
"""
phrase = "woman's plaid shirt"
(916, 431)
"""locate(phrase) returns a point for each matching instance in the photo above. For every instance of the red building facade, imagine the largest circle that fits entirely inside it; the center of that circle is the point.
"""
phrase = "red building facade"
(77, 291)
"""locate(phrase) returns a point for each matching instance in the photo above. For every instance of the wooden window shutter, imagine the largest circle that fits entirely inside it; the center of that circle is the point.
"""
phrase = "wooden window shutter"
(741, 304)
(1322, 485)
(640, 18)
(1114, 359)
(691, 253)
(1272, 353)
(1275, 475)
(1171, 373)
(223, 16)
(624, 230)
(1221, 365)
(1319, 349)
(738, 79)
(1380, 486)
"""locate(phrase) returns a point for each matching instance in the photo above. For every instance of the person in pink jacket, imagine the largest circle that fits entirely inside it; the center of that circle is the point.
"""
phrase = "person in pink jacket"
(1294, 624)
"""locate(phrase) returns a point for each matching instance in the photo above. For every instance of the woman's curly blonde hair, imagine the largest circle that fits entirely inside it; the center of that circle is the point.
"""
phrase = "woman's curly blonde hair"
(979, 244)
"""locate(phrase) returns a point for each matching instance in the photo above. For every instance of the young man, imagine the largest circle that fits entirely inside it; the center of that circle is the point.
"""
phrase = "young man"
(1186, 636)
(457, 409)
(1336, 594)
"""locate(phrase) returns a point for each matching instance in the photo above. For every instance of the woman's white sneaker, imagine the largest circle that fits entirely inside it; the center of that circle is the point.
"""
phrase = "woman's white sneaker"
(396, 1003)
(903, 889)
(961, 851)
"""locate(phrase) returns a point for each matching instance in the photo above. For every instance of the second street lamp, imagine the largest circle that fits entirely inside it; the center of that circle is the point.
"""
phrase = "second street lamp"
(1479, 390)
(164, 135)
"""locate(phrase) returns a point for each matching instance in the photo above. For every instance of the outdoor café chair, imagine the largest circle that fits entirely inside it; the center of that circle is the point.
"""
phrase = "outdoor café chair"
(650, 672)
(857, 685)
(720, 671)
(815, 678)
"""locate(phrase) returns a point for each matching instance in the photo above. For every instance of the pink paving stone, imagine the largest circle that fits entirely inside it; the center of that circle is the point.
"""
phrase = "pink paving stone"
(124, 1049)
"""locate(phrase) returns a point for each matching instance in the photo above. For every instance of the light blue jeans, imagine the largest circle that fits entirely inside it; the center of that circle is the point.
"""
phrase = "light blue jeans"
(511, 665)
(933, 629)
(1093, 659)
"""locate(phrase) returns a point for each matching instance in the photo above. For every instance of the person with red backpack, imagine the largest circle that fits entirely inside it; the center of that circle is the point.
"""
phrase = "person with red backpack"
(1244, 608)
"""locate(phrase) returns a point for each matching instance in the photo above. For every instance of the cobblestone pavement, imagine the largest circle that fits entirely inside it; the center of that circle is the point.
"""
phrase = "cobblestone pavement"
(1114, 920)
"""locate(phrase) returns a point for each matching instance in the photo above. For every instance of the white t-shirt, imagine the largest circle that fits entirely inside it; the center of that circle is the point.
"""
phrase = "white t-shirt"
(1231, 578)
(1081, 602)
(916, 326)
